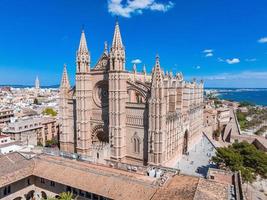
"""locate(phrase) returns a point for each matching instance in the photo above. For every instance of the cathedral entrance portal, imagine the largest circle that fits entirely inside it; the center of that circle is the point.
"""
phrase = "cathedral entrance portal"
(99, 136)
(185, 143)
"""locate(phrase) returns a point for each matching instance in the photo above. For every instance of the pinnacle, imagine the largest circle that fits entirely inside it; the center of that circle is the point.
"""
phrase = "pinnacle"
(83, 44)
(157, 75)
(117, 41)
(65, 80)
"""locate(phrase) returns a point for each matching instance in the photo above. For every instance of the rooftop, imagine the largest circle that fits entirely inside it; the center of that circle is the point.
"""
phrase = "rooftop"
(105, 180)
(14, 167)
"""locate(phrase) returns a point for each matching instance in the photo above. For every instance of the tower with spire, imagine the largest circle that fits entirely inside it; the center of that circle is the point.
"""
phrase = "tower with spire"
(117, 52)
(83, 97)
(117, 97)
(37, 86)
(65, 112)
(157, 117)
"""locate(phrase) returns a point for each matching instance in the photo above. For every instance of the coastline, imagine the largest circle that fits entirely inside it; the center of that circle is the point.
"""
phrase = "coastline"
(256, 96)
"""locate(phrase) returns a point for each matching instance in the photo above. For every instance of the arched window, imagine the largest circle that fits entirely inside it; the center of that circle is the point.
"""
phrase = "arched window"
(138, 98)
(136, 143)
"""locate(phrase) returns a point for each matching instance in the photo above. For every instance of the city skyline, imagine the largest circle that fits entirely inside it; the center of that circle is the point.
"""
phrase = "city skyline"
(200, 40)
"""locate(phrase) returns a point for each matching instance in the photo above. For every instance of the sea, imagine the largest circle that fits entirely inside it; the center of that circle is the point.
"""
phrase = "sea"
(256, 96)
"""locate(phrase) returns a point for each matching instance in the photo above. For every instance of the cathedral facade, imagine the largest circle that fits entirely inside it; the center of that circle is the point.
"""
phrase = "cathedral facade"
(128, 116)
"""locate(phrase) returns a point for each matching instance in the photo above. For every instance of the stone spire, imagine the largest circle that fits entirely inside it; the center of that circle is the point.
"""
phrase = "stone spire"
(65, 110)
(83, 56)
(117, 41)
(65, 84)
(83, 44)
(157, 117)
(157, 74)
(117, 53)
(37, 83)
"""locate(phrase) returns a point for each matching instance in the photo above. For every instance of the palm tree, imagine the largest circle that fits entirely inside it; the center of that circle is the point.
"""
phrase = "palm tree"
(62, 196)
(66, 196)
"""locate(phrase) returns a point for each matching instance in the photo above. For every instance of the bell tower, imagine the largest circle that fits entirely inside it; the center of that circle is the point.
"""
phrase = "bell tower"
(83, 97)
(117, 97)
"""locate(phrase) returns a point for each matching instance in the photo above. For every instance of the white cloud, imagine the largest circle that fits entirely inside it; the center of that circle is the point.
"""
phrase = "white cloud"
(198, 67)
(263, 40)
(162, 7)
(233, 61)
(129, 7)
(208, 51)
(209, 54)
(136, 61)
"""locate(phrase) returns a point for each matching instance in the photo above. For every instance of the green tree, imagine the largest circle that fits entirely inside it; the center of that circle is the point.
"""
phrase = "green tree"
(50, 111)
(228, 158)
(244, 157)
(245, 104)
(66, 196)
(241, 117)
(62, 196)
(51, 143)
(247, 174)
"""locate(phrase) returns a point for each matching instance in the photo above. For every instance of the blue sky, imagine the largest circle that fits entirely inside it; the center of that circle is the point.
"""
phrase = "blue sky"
(224, 42)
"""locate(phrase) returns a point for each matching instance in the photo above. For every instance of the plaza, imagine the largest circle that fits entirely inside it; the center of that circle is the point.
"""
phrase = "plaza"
(197, 161)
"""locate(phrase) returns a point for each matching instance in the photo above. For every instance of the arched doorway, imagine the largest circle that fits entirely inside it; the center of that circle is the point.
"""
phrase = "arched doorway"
(185, 143)
(44, 195)
(30, 195)
(99, 136)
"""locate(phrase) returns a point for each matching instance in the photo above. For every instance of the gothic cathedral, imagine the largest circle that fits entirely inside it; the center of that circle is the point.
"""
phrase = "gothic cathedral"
(128, 116)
